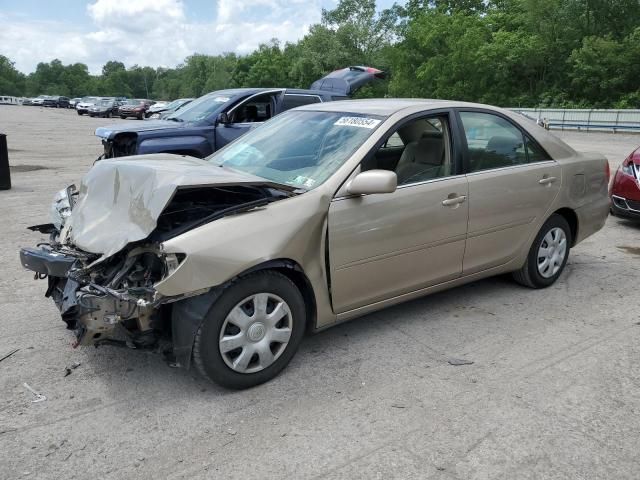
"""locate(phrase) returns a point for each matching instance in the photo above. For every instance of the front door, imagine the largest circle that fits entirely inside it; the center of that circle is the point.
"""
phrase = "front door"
(247, 115)
(512, 184)
(384, 245)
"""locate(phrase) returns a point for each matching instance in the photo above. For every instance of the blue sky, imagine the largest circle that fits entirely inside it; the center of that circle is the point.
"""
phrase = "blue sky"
(147, 32)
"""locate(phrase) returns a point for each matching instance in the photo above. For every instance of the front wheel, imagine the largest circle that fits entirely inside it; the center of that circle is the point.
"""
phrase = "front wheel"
(548, 254)
(252, 331)
(123, 117)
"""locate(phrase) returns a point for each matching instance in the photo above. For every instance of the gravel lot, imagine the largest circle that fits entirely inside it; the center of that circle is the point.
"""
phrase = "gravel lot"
(554, 390)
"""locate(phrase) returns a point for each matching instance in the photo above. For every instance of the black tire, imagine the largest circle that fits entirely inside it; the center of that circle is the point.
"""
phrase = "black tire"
(78, 112)
(206, 351)
(123, 117)
(107, 115)
(529, 274)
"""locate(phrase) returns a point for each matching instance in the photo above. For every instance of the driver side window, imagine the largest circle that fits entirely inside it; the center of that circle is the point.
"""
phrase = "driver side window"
(257, 109)
(417, 151)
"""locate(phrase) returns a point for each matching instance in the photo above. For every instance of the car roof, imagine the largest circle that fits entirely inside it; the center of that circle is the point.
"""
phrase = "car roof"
(234, 92)
(389, 106)
(385, 107)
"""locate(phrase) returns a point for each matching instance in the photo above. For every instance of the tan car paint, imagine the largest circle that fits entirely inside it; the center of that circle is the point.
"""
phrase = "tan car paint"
(503, 205)
(296, 228)
(406, 240)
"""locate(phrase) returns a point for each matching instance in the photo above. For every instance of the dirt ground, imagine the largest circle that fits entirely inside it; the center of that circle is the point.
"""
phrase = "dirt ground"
(554, 390)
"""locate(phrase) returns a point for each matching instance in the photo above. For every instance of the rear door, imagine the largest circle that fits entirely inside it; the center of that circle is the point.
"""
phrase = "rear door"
(347, 80)
(512, 184)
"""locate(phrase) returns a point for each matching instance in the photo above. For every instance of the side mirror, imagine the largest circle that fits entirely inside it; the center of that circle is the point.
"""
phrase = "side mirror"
(373, 181)
(223, 118)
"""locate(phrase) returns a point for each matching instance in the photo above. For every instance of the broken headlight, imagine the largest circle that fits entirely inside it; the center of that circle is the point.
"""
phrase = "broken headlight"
(62, 205)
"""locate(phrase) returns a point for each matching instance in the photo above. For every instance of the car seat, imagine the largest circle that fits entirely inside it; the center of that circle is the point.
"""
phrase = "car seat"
(422, 159)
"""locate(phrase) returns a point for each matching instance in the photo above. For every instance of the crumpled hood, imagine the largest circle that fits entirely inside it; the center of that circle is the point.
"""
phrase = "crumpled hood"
(121, 199)
(110, 131)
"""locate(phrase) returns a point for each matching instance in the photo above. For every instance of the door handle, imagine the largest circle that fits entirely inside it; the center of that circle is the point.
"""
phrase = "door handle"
(449, 202)
(546, 180)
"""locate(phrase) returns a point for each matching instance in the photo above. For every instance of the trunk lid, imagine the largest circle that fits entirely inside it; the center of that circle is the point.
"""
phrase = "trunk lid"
(347, 80)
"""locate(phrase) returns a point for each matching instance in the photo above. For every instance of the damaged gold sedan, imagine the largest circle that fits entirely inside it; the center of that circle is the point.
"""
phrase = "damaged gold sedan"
(320, 215)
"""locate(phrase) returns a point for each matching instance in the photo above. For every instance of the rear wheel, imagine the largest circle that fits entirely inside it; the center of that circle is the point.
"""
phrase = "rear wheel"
(252, 331)
(548, 254)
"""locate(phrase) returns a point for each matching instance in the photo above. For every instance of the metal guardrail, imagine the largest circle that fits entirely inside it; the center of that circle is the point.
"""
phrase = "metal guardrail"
(585, 119)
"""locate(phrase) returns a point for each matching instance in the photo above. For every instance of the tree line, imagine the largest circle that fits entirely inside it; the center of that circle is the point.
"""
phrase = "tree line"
(560, 53)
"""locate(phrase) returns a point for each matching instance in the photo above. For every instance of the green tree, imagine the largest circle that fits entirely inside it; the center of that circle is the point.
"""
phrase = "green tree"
(12, 82)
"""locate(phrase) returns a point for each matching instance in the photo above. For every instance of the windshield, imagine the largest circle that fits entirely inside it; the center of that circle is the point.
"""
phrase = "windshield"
(106, 103)
(174, 104)
(298, 148)
(89, 99)
(202, 107)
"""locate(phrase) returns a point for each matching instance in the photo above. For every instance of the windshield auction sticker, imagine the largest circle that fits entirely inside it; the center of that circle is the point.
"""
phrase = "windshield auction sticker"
(361, 122)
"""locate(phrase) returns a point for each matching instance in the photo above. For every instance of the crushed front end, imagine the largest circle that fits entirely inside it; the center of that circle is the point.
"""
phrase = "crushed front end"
(120, 145)
(109, 302)
(104, 256)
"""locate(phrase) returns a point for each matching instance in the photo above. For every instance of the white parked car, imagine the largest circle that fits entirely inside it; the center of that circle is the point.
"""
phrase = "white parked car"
(82, 107)
(156, 108)
(39, 100)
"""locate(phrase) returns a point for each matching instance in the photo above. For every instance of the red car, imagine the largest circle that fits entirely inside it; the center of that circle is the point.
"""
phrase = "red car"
(135, 108)
(625, 188)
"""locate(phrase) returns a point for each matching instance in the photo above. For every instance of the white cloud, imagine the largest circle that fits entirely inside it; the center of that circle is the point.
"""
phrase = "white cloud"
(154, 32)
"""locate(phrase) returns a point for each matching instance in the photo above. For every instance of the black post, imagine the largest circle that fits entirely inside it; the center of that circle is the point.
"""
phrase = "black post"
(5, 174)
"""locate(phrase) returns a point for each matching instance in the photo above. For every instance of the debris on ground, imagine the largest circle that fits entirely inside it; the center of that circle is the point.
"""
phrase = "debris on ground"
(9, 354)
(38, 396)
(73, 366)
(459, 361)
(398, 405)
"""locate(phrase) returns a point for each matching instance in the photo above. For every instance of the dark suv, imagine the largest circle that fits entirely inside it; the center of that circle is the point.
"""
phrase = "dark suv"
(56, 101)
(213, 120)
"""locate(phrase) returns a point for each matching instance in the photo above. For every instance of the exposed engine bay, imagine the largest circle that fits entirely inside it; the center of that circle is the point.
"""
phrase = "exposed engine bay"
(111, 299)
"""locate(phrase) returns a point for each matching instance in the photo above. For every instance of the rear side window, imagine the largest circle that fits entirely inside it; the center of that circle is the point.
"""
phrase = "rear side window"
(493, 142)
(292, 101)
(535, 152)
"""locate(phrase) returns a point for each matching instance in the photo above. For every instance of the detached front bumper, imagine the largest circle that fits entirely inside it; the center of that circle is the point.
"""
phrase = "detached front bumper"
(92, 311)
(46, 262)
